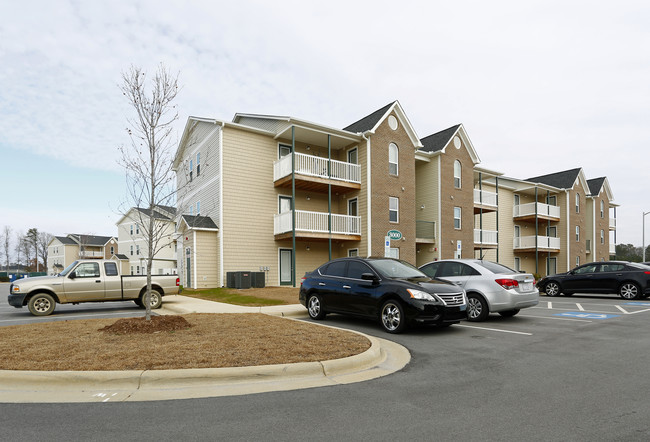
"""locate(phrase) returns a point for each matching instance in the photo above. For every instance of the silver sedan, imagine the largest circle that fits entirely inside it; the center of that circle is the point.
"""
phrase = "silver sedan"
(490, 287)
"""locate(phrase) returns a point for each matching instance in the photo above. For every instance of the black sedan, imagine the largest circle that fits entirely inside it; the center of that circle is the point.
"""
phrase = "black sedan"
(390, 290)
(630, 280)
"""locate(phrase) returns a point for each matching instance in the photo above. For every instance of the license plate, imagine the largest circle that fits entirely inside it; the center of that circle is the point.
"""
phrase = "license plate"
(527, 287)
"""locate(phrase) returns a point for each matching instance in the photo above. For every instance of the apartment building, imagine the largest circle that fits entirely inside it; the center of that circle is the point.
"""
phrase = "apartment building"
(64, 250)
(283, 195)
(133, 247)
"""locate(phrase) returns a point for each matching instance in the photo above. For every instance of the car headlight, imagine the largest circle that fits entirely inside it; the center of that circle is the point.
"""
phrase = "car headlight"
(15, 289)
(423, 296)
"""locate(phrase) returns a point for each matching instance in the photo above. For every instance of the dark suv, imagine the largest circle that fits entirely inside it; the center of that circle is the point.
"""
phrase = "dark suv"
(390, 290)
(630, 280)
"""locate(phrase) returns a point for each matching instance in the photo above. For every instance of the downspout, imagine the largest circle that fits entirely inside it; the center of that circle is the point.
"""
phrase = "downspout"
(221, 265)
(480, 200)
(439, 226)
(329, 192)
(368, 192)
(536, 234)
(196, 275)
(293, 206)
(497, 188)
(568, 233)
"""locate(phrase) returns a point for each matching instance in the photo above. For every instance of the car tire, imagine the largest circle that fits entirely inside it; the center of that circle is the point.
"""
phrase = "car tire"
(509, 313)
(477, 308)
(315, 307)
(629, 290)
(392, 317)
(41, 304)
(552, 288)
(155, 301)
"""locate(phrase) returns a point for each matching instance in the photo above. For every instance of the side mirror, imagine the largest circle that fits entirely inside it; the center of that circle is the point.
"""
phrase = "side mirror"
(72, 275)
(369, 277)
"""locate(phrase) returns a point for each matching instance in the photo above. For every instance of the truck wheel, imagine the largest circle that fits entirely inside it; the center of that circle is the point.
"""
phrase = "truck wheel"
(156, 299)
(41, 304)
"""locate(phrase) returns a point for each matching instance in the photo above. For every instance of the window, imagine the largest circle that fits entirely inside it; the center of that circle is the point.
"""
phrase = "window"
(353, 207)
(131, 250)
(137, 249)
(457, 174)
(285, 204)
(87, 270)
(198, 163)
(356, 269)
(191, 210)
(518, 264)
(577, 203)
(551, 200)
(284, 150)
(336, 268)
(577, 260)
(602, 236)
(393, 209)
(602, 209)
(110, 268)
(131, 229)
(457, 218)
(353, 156)
(137, 270)
(393, 159)
(393, 253)
(456, 269)
(431, 269)
(132, 270)
(112, 250)
(191, 169)
(198, 207)
(353, 252)
(137, 229)
(577, 233)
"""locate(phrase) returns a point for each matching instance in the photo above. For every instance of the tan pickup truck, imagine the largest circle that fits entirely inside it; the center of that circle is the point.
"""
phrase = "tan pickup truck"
(88, 281)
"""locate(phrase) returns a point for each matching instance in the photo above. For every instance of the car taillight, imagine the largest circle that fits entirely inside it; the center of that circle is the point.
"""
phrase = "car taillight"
(178, 282)
(302, 280)
(507, 283)
(647, 273)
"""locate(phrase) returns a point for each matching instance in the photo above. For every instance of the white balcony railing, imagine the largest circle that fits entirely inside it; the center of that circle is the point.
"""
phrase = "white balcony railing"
(528, 209)
(612, 249)
(317, 167)
(486, 237)
(543, 242)
(317, 222)
(612, 224)
(485, 198)
(90, 254)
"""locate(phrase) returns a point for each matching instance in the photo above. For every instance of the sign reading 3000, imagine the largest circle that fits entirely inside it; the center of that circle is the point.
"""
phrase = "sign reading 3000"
(394, 235)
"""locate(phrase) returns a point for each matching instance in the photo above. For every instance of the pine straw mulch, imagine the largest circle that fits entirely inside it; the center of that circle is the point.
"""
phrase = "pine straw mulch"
(196, 340)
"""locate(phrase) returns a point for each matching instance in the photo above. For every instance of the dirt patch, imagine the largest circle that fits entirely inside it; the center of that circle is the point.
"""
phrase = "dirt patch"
(157, 324)
(211, 340)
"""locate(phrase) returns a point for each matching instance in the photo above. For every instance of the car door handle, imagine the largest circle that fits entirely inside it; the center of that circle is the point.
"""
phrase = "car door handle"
(321, 283)
(346, 287)
(619, 274)
(98, 281)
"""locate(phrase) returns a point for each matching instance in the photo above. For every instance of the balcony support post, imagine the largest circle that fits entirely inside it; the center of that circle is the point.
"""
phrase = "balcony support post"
(293, 206)
(329, 192)
(480, 216)
(496, 179)
(536, 235)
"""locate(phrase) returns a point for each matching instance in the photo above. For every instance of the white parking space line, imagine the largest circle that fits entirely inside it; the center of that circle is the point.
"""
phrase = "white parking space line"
(555, 318)
(622, 309)
(640, 311)
(494, 329)
(580, 307)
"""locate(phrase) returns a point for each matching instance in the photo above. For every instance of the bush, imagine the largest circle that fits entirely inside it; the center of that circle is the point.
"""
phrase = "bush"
(4, 279)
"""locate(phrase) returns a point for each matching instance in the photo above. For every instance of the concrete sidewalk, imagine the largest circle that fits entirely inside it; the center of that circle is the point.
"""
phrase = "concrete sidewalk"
(382, 358)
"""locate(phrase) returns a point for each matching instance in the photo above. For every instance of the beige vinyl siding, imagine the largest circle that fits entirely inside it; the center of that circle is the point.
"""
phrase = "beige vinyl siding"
(208, 263)
(427, 194)
(562, 233)
(506, 227)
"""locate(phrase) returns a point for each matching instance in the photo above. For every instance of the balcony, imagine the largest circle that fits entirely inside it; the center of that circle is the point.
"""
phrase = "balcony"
(88, 254)
(526, 212)
(314, 225)
(485, 239)
(612, 224)
(612, 249)
(312, 173)
(485, 201)
(425, 232)
(544, 243)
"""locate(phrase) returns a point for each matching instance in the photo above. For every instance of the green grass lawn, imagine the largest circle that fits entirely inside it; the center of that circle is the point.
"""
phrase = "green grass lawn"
(230, 297)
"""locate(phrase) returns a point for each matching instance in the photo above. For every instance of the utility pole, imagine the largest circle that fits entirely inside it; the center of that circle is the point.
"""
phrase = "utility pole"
(643, 234)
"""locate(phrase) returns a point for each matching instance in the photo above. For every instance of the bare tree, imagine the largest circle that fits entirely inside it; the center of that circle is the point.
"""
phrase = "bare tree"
(148, 160)
(32, 238)
(5, 243)
(44, 239)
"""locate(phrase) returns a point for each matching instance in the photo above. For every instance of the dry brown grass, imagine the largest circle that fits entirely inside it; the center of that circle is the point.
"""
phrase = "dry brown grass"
(285, 295)
(212, 340)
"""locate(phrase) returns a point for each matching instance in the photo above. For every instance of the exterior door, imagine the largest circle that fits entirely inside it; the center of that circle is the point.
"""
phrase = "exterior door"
(285, 204)
(285, 266)
(551, 266)
(84, 282)
(188, 268)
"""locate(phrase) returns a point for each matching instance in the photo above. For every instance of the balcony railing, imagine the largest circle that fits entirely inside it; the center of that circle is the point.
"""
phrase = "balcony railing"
(485, 198)
(317, 167)
(612, 224)
(317, 222)
(528, 209)
(425, 229)
(543, 242)
(90, 254)
(612, 249)
(487, 237)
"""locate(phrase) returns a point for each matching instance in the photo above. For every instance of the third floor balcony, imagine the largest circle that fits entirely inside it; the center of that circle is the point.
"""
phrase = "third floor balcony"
(528, 212)
(316, 173)
(485, 201)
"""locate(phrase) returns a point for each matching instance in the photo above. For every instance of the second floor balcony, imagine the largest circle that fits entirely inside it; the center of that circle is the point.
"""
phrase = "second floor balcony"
(529, 211)
(315, 225)
(316, 173)
(485, 201)
(485, 238)
(91, 254)
(539, 243)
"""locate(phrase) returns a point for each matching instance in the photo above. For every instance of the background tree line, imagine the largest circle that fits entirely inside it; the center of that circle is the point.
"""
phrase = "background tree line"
(26, 251)
(629, 252)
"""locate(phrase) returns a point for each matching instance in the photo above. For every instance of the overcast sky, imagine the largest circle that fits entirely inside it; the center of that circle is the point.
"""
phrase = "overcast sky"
(540, 86)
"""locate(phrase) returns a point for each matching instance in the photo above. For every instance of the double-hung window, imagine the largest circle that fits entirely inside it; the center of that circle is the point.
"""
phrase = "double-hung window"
(457, 218)
(577, 203)
(393, 159)
(198, 163)
(191, 169)
(602, 209)
(457, 174)
(577, 233)
(393, 209)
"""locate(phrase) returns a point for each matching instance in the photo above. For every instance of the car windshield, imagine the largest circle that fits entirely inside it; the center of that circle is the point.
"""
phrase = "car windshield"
(67, 269)
(393, 268)
(495, 268)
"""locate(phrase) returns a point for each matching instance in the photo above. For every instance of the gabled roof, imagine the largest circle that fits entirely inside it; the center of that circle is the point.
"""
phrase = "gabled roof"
(65, 240)
(370, 121)
(165, 213)
(198, 222)
(595, 185)
(121, 256)
(436, 142)
(90, 240)
(561, 180)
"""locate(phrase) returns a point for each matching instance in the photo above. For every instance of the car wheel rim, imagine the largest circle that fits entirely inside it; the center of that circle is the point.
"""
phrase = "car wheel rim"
(551, 290)
(391, 317)
(153, 299)
(42, 305)
(628, 291)
(474, 308)
(314, 306)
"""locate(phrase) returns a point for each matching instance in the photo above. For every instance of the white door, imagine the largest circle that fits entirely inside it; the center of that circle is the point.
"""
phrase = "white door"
(285, 266)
